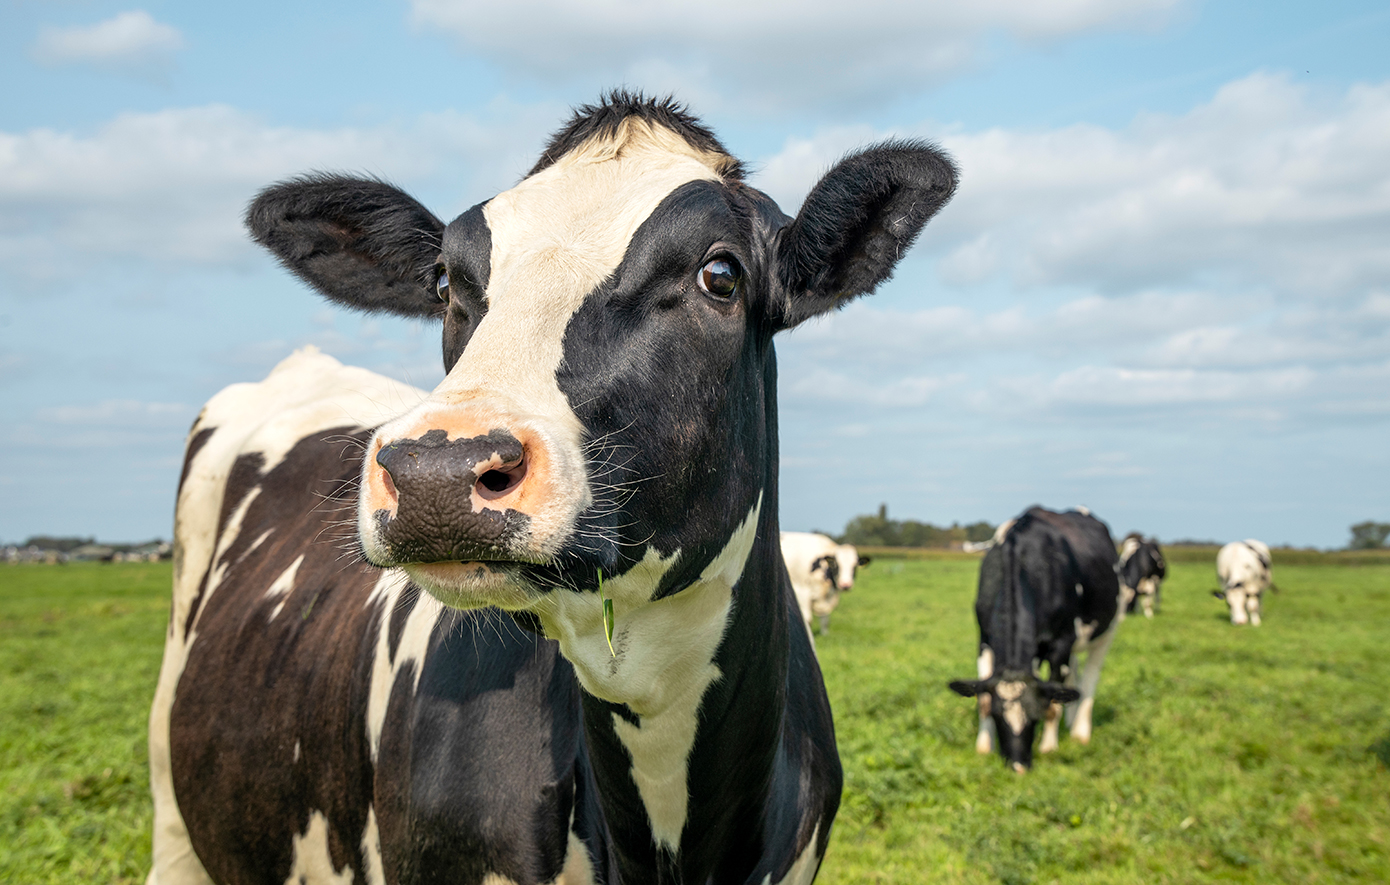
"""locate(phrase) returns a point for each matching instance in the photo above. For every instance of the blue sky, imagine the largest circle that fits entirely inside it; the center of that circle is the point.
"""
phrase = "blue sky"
(1163, 290)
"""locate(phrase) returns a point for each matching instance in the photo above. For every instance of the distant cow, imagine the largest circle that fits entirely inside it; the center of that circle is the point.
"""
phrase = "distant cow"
(1142, 571)
(820, 570)
(1243, 569)
(1048, 591)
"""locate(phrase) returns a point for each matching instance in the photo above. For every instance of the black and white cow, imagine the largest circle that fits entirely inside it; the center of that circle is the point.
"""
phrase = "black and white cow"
(605, 440)
(1142, 571)
(1048, 591)
(1243, 569)
(820, 570)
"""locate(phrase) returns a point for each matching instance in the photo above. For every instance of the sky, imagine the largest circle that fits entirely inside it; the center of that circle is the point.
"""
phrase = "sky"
(1162, 290)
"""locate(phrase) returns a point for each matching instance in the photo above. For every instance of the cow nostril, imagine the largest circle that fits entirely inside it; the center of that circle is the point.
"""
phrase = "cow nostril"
(495, 481)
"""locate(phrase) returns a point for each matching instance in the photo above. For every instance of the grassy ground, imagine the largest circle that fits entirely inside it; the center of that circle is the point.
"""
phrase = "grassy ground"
(1219, 753)
(79, 655)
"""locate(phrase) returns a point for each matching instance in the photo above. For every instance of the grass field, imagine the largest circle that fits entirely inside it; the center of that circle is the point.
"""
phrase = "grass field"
(1220, 754)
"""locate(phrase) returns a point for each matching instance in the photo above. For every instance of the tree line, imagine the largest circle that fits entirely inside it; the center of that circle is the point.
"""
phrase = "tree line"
(877, 530)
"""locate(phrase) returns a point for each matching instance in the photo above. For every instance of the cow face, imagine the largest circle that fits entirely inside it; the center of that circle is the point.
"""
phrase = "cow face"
(1244, 602)
(609, 407)
(847, 562)
(1015, 701)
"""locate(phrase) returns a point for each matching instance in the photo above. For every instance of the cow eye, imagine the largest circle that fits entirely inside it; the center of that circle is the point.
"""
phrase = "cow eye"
(720, 277)
(441, 285)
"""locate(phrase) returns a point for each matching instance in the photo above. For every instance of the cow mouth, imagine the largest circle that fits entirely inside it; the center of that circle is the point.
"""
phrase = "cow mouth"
(476, 583)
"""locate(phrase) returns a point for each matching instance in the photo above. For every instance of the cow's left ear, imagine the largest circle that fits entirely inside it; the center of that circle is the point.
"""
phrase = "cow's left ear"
(1059, 693)
(855, 225)
(865, 560)
(968, 688)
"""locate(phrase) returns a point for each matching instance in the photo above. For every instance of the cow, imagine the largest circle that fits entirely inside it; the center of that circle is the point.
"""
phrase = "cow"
(1242, 567)
(820, 571)
(533, 625)
(1142, 571)
(1048, 592)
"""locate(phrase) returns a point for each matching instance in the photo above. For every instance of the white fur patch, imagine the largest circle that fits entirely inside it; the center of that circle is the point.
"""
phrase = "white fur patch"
(282, 587)
(312, 861)
(803, 869)
(414, 643)
(374, 871)
(663, 666)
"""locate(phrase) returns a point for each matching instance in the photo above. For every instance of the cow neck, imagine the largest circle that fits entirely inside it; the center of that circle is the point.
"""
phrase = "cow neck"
(685, 788)
(1011, 626)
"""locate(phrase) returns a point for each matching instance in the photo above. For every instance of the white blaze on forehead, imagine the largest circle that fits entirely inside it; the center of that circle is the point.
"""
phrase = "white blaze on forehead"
(555, 237)
(1010, 693)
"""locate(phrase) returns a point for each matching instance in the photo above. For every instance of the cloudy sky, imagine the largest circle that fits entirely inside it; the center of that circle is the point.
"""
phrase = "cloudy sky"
(1163, 289)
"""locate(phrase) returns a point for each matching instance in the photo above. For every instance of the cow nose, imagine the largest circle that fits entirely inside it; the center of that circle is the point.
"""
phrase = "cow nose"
(435, 467)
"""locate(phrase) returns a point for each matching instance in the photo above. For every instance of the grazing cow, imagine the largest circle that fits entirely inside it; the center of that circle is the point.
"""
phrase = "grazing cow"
(1142, 571)
(820, 570)
(603, 679)
(1048, 591)
(1243, 569)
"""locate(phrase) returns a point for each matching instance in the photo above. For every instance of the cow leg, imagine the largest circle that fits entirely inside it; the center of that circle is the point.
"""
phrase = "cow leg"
(984, 667)
(824, 624)
(1090, 678)
(1050, 728)
(1253, 602)
(1148, 602)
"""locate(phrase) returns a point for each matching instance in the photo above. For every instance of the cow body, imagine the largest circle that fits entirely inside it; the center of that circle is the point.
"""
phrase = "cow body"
(820, 570)
(1048, 593)
(534, 625)
(1243, 567)
(1142, 570)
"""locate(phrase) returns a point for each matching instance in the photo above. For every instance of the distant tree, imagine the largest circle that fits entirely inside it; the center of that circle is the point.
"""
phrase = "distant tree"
(979, 531)
(62, 545)
(878, 530)
(1369, 535)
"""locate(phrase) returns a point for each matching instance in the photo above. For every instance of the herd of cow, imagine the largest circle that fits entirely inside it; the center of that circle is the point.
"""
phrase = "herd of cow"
(536, 625)
(1052, 587)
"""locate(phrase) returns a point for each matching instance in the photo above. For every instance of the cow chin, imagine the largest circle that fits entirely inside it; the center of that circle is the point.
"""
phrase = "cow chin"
(467, 585)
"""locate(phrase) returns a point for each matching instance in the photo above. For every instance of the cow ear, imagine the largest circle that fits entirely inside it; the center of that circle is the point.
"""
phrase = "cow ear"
(865, 560)
(361, 243)
(967, 688)
(1059, 693)
(1219, 594)
(855, 225)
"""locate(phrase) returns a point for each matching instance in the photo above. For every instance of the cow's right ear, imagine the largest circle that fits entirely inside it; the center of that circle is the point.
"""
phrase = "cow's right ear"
(855, 225)
(967, 688)
(1219, 594)
(361, 243)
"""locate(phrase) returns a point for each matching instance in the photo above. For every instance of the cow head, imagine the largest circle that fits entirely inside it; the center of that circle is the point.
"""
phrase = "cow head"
(1243, 598)
(1015, 700)
(847, 562)
(609, 407)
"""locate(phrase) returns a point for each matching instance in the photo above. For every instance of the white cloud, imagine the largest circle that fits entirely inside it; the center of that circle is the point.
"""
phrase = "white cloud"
(771, 53)
(132, 42)
(1269, 184)
(172, 185)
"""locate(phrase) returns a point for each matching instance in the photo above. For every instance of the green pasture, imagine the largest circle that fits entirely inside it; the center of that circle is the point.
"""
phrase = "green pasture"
(1220, 754)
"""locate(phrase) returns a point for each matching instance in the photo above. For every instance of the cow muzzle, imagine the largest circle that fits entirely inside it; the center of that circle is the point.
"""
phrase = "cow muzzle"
(465, 494)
